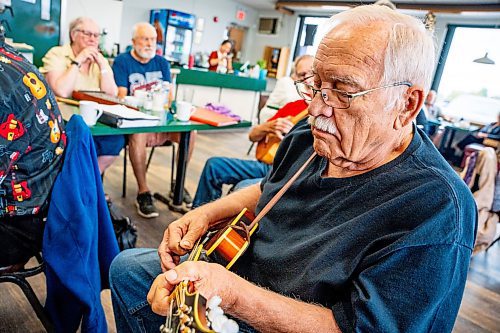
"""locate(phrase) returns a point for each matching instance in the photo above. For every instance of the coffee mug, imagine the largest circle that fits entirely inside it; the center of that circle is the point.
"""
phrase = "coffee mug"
(90, 112)
(184, 110)
(141, 96)
(132, 101)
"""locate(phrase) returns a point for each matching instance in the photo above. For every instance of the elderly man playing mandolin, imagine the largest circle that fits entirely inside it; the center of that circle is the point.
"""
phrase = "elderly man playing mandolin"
(374, 235)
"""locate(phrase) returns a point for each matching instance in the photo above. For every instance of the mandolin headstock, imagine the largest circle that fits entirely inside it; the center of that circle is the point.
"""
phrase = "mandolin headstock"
(191, 313)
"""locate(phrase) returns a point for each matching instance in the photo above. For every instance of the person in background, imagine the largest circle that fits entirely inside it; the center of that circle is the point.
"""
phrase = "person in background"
(233, 171)
(284, 91)
(220, 61)
(32, 141)
(159, 34)
(490, 131)
(433, 111)
(375, 232)
(80, 66)
(133, 69)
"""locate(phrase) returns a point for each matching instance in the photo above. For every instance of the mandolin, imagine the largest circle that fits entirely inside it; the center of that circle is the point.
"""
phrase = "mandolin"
(188, 308)
(190, 312)
(267, 147)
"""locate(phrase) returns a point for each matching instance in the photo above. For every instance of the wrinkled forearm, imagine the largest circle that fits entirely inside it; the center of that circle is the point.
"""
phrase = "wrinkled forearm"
(267, 311)
(63, 84)
(108, 84)
(258, 132)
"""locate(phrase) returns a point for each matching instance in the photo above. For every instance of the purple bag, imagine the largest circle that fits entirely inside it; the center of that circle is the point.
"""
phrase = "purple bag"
(221, 109)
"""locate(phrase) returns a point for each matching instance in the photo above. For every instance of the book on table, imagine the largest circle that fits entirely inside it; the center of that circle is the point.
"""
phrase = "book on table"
(123, 117)
(212, 118)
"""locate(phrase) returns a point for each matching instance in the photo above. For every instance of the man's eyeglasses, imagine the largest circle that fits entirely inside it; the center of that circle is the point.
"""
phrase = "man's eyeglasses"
(336, 98)
(89, 34)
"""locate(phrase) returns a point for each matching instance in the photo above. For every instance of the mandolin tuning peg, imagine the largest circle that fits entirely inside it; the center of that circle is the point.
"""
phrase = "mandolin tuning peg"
(214, 302)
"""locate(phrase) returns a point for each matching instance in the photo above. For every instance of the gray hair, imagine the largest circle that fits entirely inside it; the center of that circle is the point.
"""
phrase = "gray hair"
(297, 60)
(410, 50)
(73, 25)
(137, 26)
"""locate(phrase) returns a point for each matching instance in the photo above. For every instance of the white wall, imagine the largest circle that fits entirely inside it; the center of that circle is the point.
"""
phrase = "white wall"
(107, 13)
(136, 11)
(256, 42)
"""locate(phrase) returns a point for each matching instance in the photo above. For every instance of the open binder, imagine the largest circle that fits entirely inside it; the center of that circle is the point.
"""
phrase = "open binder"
(123, 117)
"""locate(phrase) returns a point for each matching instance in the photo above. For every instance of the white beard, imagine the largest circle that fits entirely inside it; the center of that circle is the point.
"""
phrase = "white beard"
(323, 124)
(146, 54)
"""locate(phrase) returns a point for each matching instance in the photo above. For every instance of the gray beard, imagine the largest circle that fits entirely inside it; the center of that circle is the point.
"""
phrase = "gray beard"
(146, 55)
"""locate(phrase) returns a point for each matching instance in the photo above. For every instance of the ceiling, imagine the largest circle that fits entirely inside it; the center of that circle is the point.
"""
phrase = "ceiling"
(445, 6)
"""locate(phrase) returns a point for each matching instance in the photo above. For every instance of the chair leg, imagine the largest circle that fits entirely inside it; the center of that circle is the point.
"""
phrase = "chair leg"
(150, 157)
(35, 303)
(172, 169)
(124, 181)
(250, 149)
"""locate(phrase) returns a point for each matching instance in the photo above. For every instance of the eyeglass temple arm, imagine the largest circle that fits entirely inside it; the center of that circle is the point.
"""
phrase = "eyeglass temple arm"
(404, 83)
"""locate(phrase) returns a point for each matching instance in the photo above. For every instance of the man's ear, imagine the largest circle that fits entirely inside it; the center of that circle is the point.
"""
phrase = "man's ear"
(414, 99)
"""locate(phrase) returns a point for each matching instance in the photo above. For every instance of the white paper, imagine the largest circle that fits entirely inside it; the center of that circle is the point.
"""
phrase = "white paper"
(29, 1)
(125, 112)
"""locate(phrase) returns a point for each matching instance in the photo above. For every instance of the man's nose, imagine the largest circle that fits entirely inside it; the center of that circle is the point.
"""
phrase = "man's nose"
(317, 107)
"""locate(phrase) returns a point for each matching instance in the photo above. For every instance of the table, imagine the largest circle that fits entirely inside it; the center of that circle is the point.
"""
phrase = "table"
(166, 125)
(449, 133)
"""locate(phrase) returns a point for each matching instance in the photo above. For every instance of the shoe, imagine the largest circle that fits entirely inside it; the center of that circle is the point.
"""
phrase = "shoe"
(186, 199)
(145, 206)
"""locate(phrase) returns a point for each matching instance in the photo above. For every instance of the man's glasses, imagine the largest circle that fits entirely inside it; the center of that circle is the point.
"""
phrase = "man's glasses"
(336, 98)
(89, 34)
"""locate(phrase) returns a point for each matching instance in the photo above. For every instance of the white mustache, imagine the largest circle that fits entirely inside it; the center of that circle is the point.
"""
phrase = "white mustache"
(323, 124)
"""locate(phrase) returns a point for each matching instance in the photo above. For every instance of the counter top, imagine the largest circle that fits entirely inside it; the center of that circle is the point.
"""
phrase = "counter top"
(213, 79)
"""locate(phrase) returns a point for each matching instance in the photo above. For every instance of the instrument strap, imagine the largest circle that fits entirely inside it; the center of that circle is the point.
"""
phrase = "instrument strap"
(280, 193)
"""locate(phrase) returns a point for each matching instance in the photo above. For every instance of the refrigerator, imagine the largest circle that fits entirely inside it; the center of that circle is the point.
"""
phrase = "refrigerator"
(176, 31)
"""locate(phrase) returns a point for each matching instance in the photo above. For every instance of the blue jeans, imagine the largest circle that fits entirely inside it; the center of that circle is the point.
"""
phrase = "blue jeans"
(131, 274)
(130, 277)
(223, 170)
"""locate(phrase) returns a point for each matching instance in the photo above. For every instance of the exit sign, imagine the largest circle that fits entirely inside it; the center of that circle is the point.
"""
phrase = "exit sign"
(240, 15)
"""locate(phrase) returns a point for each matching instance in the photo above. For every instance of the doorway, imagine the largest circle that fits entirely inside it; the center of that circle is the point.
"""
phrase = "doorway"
(237, 35)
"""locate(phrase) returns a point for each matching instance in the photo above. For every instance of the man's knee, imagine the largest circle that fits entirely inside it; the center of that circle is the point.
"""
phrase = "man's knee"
(214, 163)
(137, 140)
(126, 264)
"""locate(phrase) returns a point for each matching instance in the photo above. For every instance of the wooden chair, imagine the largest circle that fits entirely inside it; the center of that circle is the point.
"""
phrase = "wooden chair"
(17, 274)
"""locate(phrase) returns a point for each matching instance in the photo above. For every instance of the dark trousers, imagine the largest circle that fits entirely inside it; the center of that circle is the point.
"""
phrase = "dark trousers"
(20, 238)
(468, 140)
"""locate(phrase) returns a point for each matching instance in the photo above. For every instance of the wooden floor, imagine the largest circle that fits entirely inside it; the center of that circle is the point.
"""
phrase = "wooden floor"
(480, 310)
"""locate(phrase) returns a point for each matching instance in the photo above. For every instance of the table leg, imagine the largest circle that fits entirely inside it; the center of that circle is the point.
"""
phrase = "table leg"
(443, 144)
(181, 168)
(175, 204)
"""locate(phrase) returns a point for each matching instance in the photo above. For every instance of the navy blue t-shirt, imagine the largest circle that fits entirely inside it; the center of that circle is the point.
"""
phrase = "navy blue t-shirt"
(130, 73)
(387, 250)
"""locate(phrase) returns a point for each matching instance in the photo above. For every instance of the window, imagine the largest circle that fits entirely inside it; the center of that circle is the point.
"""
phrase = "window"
(268, 26)
(309, 35)
(468, 89)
